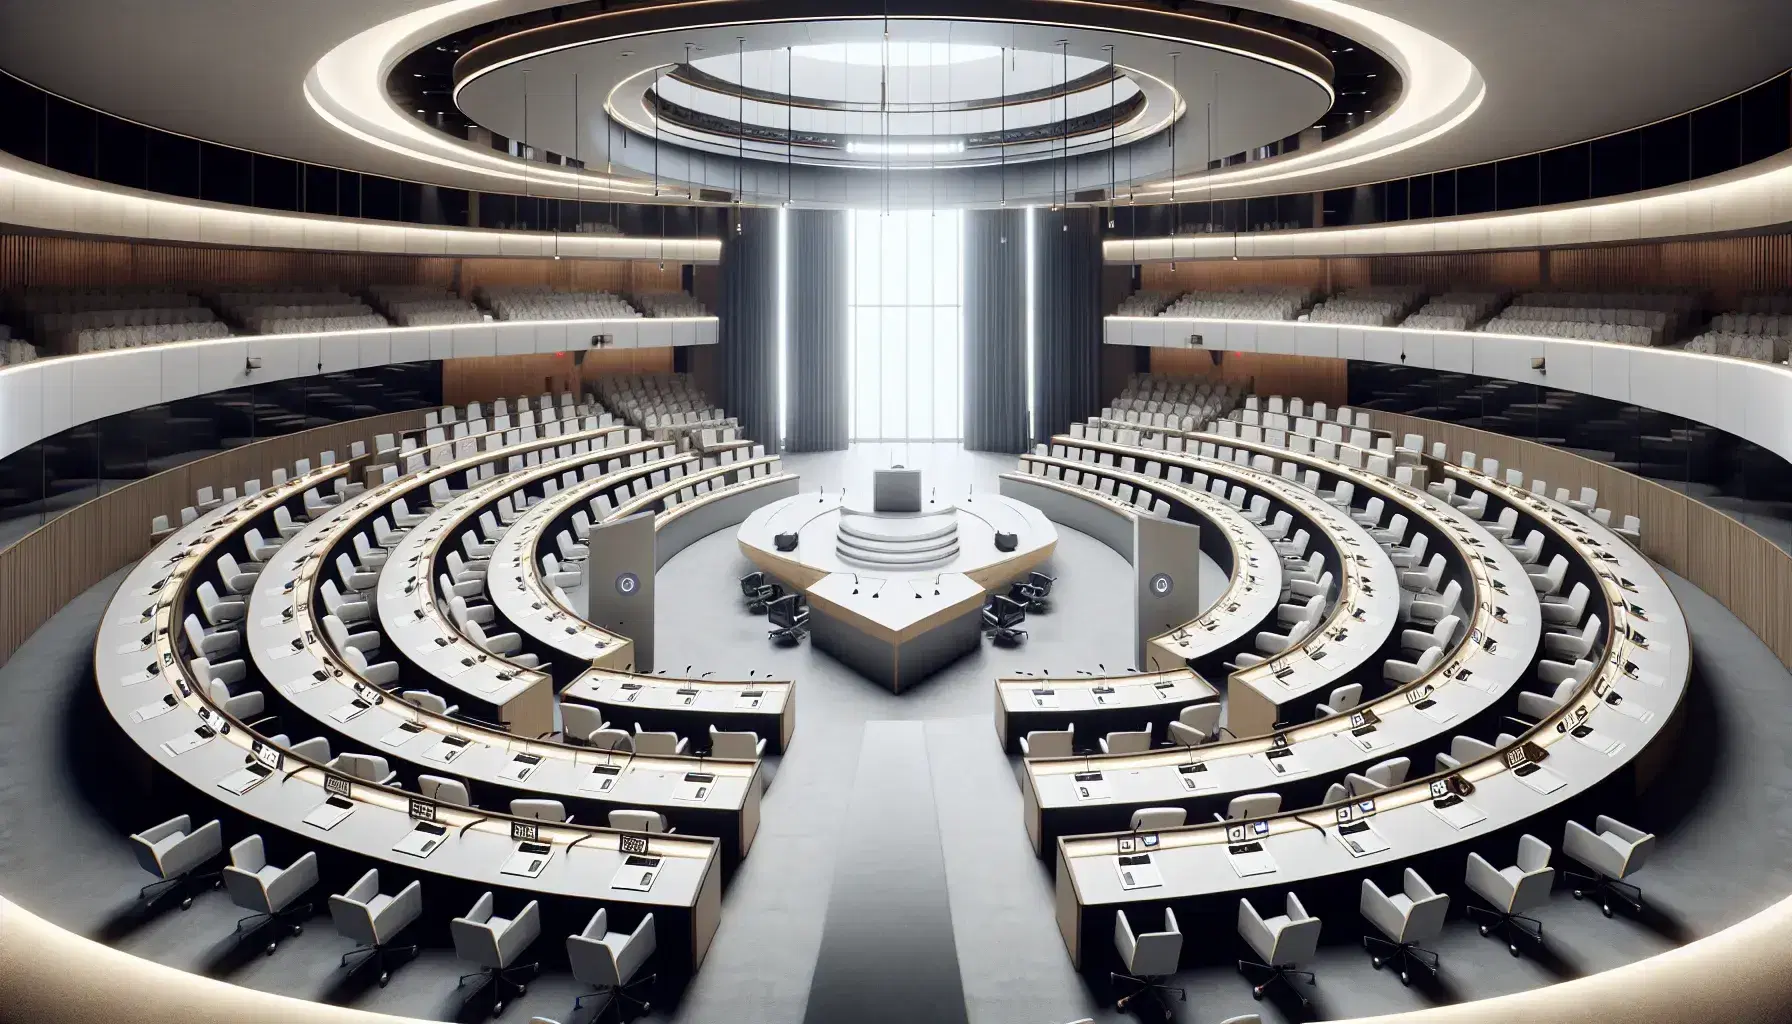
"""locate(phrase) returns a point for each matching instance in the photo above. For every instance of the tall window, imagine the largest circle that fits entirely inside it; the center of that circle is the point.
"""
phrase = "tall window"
(907, 323)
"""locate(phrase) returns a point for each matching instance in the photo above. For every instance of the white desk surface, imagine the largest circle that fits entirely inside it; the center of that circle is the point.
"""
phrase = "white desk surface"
(1650, 680)
(1071, 694)
(717, 698)
(474, 850)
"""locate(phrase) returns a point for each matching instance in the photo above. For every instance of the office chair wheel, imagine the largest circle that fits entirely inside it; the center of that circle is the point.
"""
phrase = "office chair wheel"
(522, 990)
(1375, 962)
(270, 950)
(1512, 947)
(1405, 979)
(187, 903)
(385, 976)
(298, 929)
(1484, 931)
(1606, 909)
(1257, 992)
(497, 1007)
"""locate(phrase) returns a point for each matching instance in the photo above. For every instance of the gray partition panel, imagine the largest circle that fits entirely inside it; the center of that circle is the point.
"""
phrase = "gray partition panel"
(619, 582)
(1167, 563)
(719, 514)
(1100, 520)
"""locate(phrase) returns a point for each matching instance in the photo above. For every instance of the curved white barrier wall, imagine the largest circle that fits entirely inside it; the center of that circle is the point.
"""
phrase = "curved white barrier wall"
(1746, 398)
(47, 396)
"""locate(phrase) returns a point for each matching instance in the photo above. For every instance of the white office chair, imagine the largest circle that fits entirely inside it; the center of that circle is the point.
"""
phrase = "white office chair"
(1150, 819)
(382, 674)
(612, 960)
(1529, 549)
(430, 702)
(1574, 645)
(1403, 672)
(174, 851)
(743, 746)
(372, 920)
(1566, 611)
(540, 810)
(579, 721)
(1410, 555)
(1439, 635)
(493, 944)
(1548, 580)
(1197, 724)
(219, 611)
(1283, 942)
(1251, 805)
(1048, 743)
(444, 790)
(1405, 920)
(1342, 699)
(665, 743)
(1389, 773)
(611, 739)
(270, 893)
(633, 820)
(1131, 742)
(366, 767)
(1149, 957)
(1505, 525)
(1463, 749)
(1614, 851)
(1512, 890)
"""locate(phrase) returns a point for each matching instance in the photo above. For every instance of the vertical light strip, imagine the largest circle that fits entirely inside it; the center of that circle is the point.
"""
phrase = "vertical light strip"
(1032, 320)
(852, 323)
(783, 326)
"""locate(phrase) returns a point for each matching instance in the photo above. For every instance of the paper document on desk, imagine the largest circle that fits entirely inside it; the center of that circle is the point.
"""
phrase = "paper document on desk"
(518, 768)
(137, 644)
(453, 668)
(1363, 842)
(1256, 862)
(244, 779)
(636, 874)
(141, 676)
(1045, 700)
(282, 651)
(1630, 709)
(446, 750)
(277, 620)
(601, 779)
(1543, 780)
(1599, 741)
(156, 710)
(1090, 786)
(749, 700)
(422, 840)
(403, 734)
(1138, 871)
(1368, 742)
(529, 860)
(1436, 712)
(492, 683)
(1286, 761)
(329, 814)
(184, 742)
(694, 788)
(1459, 815)
(349, 712)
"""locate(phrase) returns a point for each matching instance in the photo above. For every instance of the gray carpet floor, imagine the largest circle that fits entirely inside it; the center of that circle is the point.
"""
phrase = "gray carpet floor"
(1722, 817)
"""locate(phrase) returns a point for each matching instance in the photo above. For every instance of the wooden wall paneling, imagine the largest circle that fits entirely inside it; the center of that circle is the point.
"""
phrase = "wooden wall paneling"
(483, 378)
(52, 565)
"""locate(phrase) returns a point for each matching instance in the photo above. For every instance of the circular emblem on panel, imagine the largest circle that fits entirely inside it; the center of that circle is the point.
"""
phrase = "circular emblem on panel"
(628, 584)
(1162, 584)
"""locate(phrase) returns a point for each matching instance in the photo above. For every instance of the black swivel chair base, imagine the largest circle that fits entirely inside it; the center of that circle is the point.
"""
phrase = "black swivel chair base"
(1606, 891)
(1284, 973)
(159, 890)
(375, 955)
(291, 914)
(1147, 987)
(1500, 921)
(499, 978)
(789, 635)
(1005, 634)
(618, 996)
(1401, 955)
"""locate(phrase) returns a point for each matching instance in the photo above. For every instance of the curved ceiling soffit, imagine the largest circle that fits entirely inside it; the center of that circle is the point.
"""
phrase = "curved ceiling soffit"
(346, 88)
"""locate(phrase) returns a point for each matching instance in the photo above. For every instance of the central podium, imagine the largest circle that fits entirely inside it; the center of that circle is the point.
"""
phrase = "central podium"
(896, 591)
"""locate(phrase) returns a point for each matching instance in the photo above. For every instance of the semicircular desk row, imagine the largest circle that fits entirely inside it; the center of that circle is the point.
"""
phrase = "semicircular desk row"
(203, 720)
(1286, 685)
(1618, 688)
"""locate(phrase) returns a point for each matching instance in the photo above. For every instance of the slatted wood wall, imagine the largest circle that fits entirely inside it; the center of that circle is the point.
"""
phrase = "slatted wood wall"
(1724, 267)
(1744, 571)
(483, 379)
(49, 261)
(54, 564)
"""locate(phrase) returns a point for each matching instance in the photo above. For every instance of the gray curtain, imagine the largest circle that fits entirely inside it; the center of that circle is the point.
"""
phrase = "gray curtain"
(816, 364)
(748, 309)
(995, 330)
(1067, 383)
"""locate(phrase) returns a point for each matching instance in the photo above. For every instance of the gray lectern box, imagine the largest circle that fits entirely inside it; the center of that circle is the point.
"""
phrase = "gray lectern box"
(619, 582)
(1166, 558)
(896, 490)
